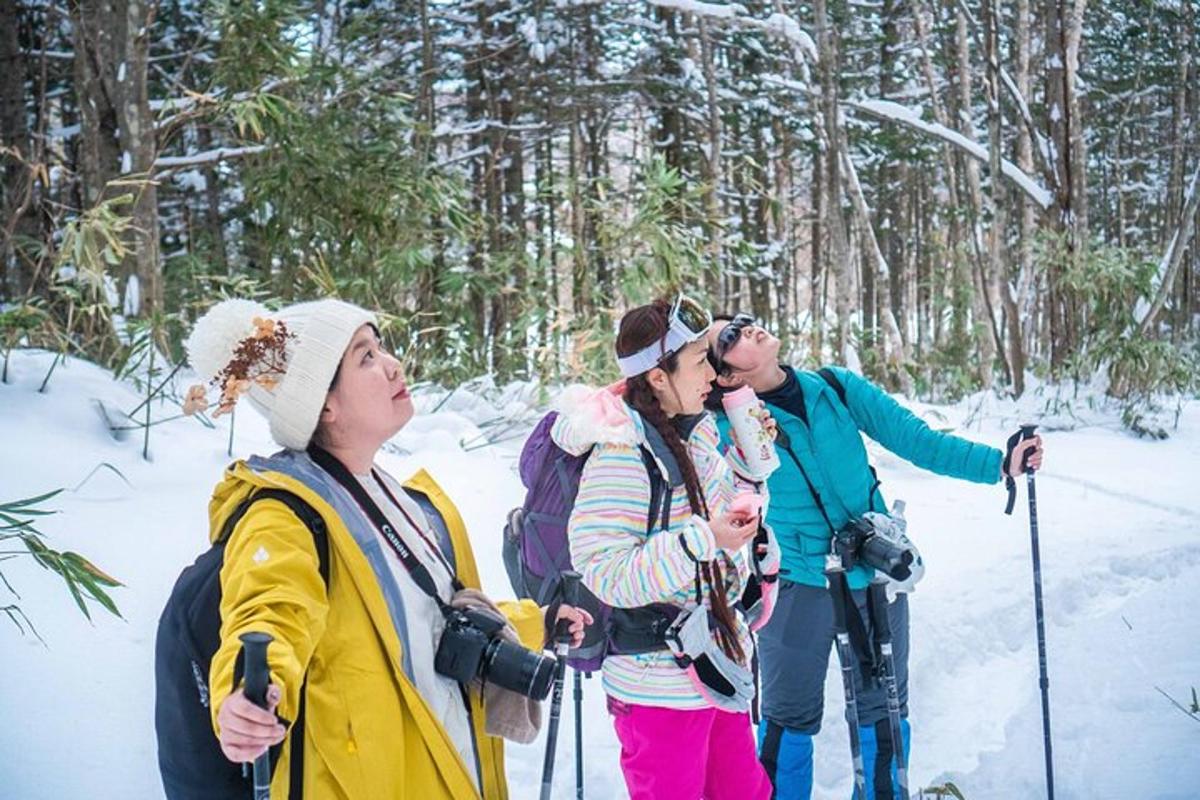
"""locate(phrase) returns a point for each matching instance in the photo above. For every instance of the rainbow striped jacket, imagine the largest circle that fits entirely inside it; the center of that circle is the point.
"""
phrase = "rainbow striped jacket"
(619, 562)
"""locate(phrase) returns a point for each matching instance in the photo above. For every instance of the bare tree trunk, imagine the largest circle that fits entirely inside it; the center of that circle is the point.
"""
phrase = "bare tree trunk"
(1019, 308)
(95, 38)
(981, 307)
(895, 355)
(481, 175)
(1064, 20)
(952, 237)
(712, 163)
(996, 271)
(816, 288)
(781, 230)
(111, 61)
(212, 203)
(839, 247)
(17, 194)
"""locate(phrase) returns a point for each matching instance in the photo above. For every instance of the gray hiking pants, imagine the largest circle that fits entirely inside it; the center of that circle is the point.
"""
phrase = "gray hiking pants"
(794, 658)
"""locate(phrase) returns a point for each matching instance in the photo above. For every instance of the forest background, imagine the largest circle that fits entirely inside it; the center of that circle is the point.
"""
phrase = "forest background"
(949, 195)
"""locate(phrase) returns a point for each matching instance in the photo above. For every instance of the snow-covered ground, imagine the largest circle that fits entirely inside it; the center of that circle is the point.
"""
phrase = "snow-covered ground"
(1120, 524)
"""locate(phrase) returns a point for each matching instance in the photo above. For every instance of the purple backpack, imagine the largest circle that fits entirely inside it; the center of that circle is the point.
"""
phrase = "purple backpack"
(535, 546)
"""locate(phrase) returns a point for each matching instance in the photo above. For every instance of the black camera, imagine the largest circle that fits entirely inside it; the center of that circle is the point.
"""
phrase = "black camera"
(471, 646)
(863, 540)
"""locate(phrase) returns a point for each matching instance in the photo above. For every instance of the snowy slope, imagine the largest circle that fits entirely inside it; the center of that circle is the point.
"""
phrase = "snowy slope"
(1120, 523)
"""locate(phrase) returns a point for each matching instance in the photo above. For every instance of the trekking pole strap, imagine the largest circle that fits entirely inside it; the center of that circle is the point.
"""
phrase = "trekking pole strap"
(847, 619)
(1010, 484)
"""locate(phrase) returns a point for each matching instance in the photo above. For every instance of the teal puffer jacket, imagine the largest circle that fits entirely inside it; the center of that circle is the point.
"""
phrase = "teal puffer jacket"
(832, 452)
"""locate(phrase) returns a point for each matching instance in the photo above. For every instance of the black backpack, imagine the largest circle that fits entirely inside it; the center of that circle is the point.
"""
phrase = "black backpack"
(189, 755)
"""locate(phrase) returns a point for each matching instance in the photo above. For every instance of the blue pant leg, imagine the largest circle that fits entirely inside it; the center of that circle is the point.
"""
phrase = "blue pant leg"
(787, 756)
(794, 650)
(871, 736)
(872, 699)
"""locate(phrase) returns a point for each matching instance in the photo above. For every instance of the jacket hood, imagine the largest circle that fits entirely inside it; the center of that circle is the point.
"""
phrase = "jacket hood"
(588, 417)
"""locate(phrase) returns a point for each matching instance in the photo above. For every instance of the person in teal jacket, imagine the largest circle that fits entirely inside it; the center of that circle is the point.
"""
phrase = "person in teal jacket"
(821, 418)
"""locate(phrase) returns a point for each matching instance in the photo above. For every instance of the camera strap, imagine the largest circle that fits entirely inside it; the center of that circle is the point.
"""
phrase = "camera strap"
(418, 571)
(860, 642)
(839, 589)
(785, 441)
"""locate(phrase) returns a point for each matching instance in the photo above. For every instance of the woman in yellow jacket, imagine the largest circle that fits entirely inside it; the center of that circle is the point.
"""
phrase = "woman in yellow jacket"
(354, 658)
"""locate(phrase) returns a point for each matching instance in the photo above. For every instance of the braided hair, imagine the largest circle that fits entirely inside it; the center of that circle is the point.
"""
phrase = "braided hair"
(641, 328)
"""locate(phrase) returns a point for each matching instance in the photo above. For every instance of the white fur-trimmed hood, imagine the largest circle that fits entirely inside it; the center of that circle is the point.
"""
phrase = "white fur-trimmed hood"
(588, 416)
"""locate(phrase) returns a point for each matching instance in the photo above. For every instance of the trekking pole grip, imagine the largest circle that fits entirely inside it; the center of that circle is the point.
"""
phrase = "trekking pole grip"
(254, 649)
(257, 675)
(1027, 432)
(570, 597)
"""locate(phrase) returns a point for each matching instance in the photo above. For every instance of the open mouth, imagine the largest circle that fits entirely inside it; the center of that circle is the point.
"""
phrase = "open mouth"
(402, 394)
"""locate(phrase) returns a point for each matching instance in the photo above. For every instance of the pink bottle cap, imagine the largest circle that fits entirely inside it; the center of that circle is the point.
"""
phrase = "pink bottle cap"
(738, 398)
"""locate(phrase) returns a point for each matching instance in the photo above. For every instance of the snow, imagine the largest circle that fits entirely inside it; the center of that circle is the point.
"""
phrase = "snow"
(207, 156)
(191, 180)
(133, 297)
(790, 30)
(65, 132)
(1120, 561)
(714, 10)
(912, 117)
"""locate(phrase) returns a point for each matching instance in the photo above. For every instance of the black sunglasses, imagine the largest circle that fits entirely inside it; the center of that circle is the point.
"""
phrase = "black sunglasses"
(729, 335)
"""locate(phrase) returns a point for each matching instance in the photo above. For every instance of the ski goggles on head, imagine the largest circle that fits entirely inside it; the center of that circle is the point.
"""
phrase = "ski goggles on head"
(729, 336)
(688, 321)
(720, 680)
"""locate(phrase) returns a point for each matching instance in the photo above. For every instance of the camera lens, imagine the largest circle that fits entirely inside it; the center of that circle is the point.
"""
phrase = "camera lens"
(885, 555)
(513, 667)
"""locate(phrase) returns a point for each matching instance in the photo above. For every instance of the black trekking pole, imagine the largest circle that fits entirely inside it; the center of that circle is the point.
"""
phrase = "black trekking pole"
(877, 602)
(578, 736)
(1044, 680)
(562, 644)
(836, 574)
(254, 650)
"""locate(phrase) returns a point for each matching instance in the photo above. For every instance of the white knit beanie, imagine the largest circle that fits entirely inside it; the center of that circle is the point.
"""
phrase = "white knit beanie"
(318, 334)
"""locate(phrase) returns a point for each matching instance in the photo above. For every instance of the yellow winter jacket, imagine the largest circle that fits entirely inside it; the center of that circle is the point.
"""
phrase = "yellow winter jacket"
(368, 733)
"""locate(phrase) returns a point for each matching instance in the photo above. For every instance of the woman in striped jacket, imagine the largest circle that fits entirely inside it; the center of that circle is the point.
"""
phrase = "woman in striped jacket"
(678, 739)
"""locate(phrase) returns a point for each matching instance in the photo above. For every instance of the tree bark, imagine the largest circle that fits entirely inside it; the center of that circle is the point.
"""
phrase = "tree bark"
(17, 222)
(834, 223)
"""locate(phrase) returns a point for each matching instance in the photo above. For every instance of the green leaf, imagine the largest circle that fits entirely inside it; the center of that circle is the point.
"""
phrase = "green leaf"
(21, 505)
(76, 594)
(88, 568)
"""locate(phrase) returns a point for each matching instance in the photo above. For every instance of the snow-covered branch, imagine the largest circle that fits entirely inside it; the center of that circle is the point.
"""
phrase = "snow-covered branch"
(1145, 312)
(894, 112)
(738, 16)
(166, 164)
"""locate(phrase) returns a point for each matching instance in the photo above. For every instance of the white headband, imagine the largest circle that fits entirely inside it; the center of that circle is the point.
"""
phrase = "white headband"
(679, 336)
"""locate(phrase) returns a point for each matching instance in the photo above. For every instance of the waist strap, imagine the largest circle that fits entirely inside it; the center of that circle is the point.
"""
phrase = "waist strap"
(633, 631)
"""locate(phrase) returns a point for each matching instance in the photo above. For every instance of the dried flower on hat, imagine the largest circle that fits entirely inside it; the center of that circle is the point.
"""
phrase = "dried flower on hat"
(260, 358)
(264, 328)
(196, 400)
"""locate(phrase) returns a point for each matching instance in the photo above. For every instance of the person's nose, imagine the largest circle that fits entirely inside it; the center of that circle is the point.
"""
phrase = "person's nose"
(392, 367)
